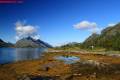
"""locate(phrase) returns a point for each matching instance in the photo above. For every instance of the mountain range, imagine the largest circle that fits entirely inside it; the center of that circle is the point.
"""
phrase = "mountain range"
(25, 43)
(109, 38)
(5, 44)
(30, 42)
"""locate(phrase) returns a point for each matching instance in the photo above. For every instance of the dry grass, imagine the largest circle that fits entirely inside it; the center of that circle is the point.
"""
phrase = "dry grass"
(64, 71)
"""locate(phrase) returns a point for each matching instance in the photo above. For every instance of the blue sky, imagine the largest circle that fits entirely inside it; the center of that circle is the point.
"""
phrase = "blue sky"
(55, 18)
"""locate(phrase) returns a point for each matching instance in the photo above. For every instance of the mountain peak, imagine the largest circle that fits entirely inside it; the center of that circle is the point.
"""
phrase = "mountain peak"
(29, 38)
(30, 42)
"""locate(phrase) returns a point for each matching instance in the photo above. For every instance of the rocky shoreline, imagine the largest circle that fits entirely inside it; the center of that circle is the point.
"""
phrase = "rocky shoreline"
(89, 67)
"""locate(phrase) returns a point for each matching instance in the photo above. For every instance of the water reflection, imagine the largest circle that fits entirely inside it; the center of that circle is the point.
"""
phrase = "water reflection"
(8, 55)
(68, 59)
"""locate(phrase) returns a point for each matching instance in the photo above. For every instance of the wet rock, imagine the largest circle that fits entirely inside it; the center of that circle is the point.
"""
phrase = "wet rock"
(93, 75)
(44, 69)
(57, 75)
(23, 77)
(77, 74)
(104, 64)
(68, 77)
(91, 62)
(114, 55)
(117, 72)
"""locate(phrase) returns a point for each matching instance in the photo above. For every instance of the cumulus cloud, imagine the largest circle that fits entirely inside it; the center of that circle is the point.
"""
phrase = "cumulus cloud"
(23, 30)
(86, 25)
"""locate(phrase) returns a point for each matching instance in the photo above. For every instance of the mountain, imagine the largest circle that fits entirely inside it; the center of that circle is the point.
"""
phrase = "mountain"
(91, 40)
(5, 44)
(30, 42)
(109, 38)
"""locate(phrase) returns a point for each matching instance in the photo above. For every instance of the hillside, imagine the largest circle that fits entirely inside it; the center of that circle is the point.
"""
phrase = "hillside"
(109, 38)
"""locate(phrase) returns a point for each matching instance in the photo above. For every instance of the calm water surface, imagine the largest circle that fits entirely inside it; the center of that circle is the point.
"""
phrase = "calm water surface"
(68, 59)
(8, 55)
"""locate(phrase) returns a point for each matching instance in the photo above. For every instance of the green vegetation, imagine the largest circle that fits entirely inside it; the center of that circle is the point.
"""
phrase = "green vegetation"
(70, 46)
(109, 39)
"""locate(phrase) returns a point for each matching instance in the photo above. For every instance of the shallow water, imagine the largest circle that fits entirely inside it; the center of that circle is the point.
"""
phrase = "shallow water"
(68, 59)
(8, 55)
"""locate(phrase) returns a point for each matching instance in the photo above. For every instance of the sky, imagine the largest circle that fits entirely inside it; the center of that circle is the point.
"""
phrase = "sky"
(57, 21)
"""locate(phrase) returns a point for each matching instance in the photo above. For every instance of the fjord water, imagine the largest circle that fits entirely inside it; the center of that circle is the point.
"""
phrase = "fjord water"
(9, 55)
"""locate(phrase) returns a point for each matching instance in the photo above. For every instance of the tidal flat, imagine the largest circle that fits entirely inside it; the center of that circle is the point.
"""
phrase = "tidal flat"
(88, 67)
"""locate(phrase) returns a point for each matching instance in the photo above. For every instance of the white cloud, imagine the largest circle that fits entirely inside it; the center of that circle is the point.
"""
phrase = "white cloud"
(111, 24)
(23, 30)
(85, 25)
